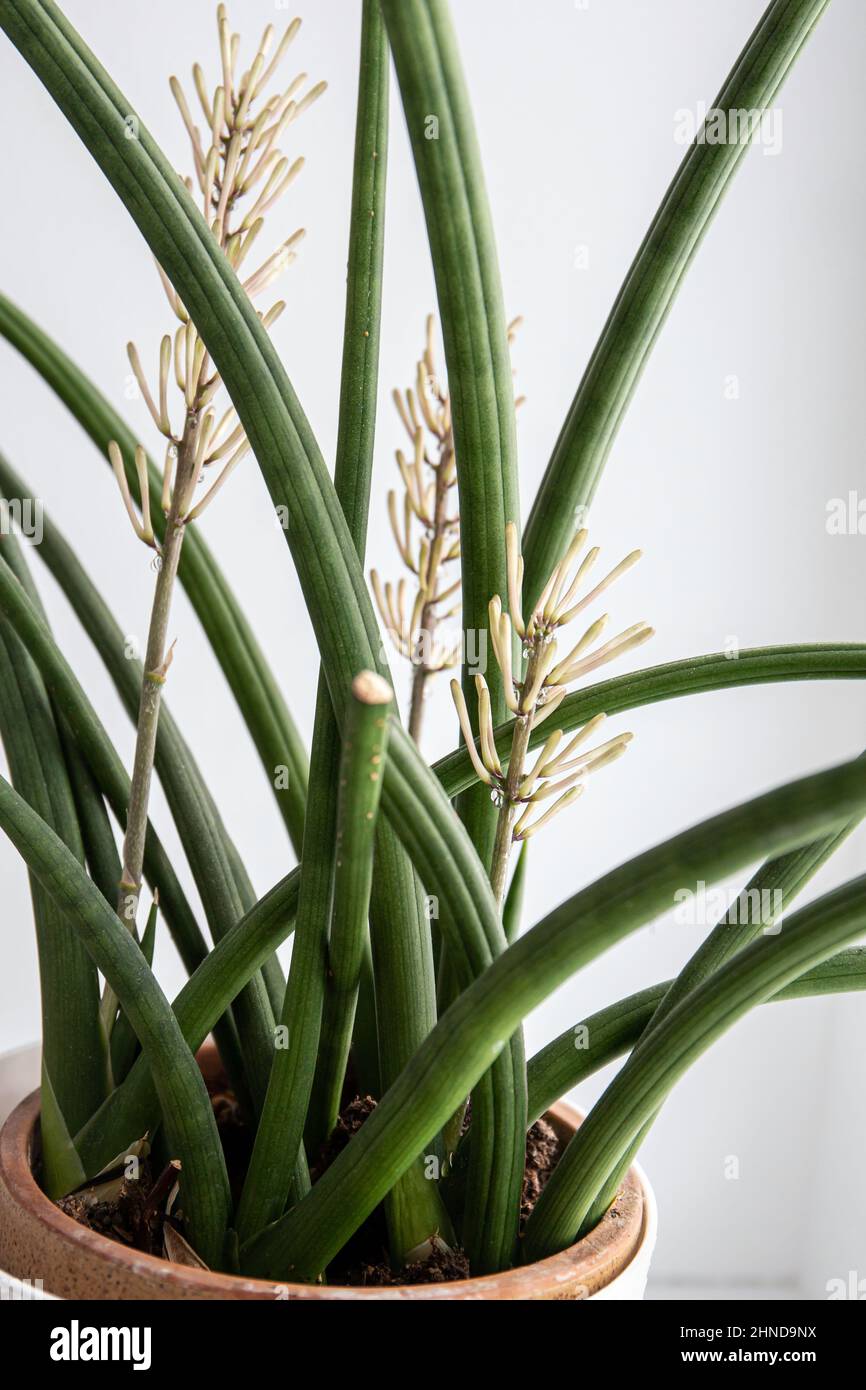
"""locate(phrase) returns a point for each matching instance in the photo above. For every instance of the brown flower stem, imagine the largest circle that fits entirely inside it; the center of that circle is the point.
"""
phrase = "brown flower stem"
(161, 1190)
(156, 662)
(429, 618)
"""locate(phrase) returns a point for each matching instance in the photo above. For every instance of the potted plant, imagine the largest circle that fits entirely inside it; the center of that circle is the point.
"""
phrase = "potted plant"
(368, 1126)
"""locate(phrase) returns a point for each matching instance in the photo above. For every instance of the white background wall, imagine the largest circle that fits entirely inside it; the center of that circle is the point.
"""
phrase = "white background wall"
(575, 108)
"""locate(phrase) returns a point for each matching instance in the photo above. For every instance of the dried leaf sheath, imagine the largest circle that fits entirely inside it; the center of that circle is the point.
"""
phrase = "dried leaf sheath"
(518, 790)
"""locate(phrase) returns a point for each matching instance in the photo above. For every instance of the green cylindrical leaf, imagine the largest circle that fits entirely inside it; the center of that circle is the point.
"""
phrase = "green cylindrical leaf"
(220, 877)
(696, 675)
(755, 974)
(650, 288)
(473, 1030)
(133, 1107)
(362, 765)
(249, 677)
(513, 906)
(183, 1097)
(73, 1044)
(469, 293)
(589, 1045)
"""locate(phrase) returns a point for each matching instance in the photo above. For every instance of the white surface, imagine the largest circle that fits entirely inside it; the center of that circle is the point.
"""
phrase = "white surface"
(19, 1075)
(659, 1292)
(575, 109)
(630, 1286)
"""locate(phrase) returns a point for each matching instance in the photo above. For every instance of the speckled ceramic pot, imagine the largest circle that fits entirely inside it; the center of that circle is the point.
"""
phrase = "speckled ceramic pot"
(48, 1250)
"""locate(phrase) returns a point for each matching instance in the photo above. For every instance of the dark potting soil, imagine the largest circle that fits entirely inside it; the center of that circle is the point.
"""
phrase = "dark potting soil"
(133, 1212)
(121, 1216)
(364, 1261)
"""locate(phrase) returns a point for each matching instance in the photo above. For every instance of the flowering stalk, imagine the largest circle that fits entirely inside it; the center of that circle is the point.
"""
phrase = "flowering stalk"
(240, 159)
(428, 477)
(156, 663)
(429, 620)
(557, 772)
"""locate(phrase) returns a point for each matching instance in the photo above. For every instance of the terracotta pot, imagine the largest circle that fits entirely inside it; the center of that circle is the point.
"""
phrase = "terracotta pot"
(45, 1248)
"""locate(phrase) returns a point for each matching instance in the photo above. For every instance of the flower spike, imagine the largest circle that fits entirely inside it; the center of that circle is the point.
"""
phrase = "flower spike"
(540, 690)
(466, 728)
(142, 528)
(427, 533)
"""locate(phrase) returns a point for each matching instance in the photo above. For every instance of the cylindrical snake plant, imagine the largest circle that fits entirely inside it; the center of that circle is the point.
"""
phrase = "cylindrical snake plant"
(418, 1010)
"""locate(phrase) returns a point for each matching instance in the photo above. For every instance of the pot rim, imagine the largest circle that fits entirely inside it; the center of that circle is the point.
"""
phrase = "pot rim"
(592, 1263)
